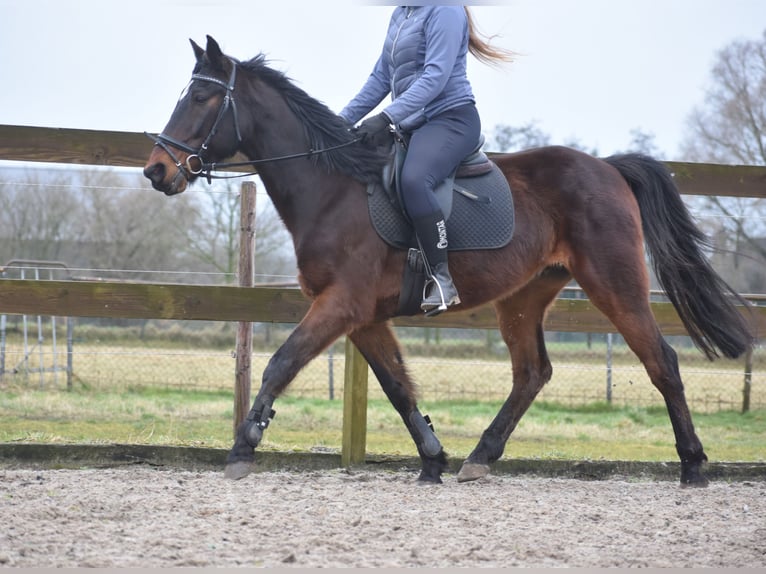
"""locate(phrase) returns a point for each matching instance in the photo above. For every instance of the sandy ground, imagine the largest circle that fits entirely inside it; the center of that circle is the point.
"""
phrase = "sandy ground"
(140, 516)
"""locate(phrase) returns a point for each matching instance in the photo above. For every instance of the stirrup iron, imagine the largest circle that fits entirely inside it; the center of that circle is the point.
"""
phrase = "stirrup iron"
(443, 304)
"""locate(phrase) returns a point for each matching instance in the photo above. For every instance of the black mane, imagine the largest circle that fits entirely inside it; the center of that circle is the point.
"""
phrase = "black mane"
(324, 128)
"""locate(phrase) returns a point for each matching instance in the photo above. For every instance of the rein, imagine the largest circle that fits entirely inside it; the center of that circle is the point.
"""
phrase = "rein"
(206, 168)
(167, 142)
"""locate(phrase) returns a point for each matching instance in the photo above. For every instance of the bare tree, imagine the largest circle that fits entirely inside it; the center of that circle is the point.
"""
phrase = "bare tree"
(507, 138)
(124, 225)
(730, 128)
(107, 219)
(731, 125)
(643, 142)
(274, 253)
(213, 239)
(34, 208)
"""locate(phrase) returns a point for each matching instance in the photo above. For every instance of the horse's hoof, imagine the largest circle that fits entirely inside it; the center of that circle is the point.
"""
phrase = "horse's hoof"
(425, 479)
(471, 471)
(692, 477)
(699, 482)
(238, 470)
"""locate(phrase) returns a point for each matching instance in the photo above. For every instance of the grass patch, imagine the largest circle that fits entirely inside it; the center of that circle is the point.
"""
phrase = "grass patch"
(141, 415)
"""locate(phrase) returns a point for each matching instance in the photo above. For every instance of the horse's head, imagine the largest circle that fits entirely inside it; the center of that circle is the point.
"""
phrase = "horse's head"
(203, 128)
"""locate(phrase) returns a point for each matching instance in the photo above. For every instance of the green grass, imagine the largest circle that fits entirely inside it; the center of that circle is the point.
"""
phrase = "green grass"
(204, 418)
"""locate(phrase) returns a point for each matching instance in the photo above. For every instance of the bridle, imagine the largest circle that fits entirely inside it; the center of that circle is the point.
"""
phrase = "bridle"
(187, 170)
(167, 143)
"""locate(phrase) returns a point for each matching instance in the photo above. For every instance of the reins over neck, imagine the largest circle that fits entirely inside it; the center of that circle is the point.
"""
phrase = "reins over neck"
(201, 167)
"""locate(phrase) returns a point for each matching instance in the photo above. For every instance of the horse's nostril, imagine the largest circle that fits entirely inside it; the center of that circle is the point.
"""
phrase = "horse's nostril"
(155, 173)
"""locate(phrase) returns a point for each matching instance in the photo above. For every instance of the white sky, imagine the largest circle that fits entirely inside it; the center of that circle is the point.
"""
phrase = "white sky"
(591, 70)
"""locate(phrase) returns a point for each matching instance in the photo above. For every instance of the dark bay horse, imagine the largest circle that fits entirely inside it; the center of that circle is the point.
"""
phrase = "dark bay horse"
(576, 217)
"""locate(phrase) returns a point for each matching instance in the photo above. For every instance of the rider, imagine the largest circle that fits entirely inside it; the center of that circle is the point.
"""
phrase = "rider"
(423, 67)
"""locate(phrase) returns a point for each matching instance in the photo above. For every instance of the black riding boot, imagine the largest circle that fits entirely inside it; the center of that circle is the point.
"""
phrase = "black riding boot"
(439, 291)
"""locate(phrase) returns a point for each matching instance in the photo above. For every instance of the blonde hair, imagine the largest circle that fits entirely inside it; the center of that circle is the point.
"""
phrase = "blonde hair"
(479, 45)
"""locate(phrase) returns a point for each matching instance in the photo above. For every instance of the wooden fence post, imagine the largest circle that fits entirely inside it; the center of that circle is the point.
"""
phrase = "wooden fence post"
(354, 445)
(243, 370)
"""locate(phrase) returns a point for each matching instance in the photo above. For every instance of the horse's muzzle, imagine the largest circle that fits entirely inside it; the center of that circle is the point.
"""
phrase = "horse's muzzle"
(157, 174)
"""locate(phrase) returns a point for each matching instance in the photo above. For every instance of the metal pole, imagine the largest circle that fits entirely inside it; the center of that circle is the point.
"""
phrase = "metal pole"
(40, 349)
(609, 368)
(2, 345)
(69, 352)
(748, 380)
(24, 327)
(36, 265)
(40, 339)
(53, 340)
(331, 373)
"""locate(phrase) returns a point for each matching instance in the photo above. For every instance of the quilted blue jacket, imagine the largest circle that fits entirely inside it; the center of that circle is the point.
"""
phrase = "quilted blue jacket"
(422, 66)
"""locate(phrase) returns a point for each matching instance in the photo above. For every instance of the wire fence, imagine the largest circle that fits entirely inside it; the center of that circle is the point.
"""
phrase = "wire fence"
(447, 364)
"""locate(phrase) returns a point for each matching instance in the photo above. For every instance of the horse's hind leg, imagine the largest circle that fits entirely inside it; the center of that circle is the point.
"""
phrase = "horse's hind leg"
(623, 297)
(379, 347)
(520, 319)
(633, 318)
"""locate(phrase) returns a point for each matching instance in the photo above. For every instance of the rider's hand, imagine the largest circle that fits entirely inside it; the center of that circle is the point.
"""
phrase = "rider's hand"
(375, 130)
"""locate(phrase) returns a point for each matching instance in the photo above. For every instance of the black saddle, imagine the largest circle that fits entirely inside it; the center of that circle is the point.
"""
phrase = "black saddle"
(475, 199)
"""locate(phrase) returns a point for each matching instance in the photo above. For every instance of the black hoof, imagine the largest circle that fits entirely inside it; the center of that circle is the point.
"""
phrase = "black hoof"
(433, 468)
(691, 471)
(697, 481)
(428, 479)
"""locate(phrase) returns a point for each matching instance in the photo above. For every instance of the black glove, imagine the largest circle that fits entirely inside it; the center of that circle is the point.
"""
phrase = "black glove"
(375, 130)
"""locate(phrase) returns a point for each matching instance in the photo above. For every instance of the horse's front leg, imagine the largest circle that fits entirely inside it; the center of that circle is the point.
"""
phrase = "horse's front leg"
(319, 328)
(379, 347)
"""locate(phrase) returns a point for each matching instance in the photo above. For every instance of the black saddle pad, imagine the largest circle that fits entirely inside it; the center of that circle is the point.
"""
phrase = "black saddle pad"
(484, 223)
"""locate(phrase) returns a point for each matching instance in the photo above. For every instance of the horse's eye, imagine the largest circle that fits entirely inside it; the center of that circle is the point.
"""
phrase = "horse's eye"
(200, 98)
(184, 92)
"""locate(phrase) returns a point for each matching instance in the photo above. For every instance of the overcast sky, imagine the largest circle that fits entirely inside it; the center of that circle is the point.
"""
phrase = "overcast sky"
(590, 70)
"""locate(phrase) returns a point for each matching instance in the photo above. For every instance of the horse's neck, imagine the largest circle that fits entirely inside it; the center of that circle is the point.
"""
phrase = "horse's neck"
(299, 189)
(294, 187)
(286, 181)
(309, 200)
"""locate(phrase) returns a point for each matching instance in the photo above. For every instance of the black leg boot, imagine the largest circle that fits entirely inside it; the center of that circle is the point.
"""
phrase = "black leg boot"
(439, 291)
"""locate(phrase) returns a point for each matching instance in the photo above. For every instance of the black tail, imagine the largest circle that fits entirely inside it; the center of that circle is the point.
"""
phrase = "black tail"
(702, 299)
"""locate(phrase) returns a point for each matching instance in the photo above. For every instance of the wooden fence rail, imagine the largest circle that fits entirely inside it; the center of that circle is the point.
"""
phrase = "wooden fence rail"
(270, 305)
(129, 149)
(282, 305)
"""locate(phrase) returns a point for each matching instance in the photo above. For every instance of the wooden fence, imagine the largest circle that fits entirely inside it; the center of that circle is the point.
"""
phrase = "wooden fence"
(283, 305)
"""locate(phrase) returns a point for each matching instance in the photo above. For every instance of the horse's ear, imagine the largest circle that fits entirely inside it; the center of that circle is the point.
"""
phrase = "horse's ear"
(214, 53)
(198, 51)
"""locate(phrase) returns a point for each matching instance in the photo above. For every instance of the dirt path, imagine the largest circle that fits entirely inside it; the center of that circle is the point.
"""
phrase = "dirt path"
(139, 516)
